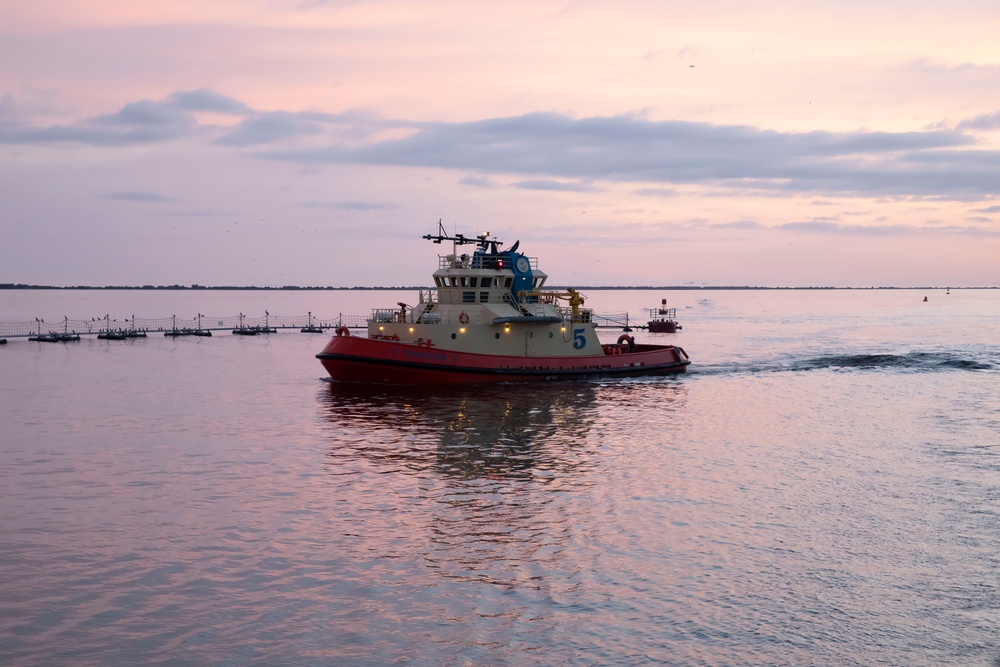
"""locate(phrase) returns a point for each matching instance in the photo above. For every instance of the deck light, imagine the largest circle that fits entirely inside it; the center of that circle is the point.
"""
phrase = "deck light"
(461, 330)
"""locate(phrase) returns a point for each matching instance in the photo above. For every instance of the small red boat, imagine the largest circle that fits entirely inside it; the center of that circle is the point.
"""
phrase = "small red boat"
(489, 319)
(663, 319)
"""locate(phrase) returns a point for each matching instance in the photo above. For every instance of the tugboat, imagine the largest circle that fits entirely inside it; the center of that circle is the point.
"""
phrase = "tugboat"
(663, 319)
(489, 318)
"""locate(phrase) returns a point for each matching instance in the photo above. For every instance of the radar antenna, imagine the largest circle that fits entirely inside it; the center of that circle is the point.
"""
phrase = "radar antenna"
(483, 240)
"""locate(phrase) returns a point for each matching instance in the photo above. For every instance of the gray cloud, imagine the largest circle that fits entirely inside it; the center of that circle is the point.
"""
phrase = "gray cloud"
(206, 99)
(656, 192)
(828, 226)
(739, 224)
(983, 122)
(478, 181)
(548, 184)
(271, 127)
(549, 151)
(149, 197)
(142, 122)
(933, 163)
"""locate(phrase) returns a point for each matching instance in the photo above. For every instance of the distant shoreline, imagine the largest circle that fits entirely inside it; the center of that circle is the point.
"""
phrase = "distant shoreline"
(296, 288)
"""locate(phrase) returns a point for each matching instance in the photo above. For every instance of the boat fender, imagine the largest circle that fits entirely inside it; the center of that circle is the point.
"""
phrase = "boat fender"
(626, 342)
(463, 317)
(343, 331)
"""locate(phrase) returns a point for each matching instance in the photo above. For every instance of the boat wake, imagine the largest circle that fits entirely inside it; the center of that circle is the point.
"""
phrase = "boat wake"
(913, 362)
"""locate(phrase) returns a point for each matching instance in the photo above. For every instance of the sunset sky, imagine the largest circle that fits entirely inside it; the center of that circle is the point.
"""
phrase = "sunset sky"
(635, 142)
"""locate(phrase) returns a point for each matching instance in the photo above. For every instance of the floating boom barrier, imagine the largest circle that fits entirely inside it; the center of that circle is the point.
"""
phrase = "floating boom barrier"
(110, 328)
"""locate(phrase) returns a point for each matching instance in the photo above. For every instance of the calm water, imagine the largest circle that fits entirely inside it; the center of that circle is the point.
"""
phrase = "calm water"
(822, 488)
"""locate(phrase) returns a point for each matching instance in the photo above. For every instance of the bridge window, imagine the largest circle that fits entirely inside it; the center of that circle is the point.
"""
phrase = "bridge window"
(484, 297)
(468, 297)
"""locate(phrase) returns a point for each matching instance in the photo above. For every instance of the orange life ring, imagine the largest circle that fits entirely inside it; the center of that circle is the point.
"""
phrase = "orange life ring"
(626, 342)
(343, 331)
(463, 318)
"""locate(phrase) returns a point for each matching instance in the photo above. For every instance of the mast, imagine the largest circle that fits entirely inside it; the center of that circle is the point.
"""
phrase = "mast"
(483, 240)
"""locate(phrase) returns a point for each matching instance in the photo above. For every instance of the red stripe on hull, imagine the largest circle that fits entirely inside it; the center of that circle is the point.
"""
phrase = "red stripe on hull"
(358, 359)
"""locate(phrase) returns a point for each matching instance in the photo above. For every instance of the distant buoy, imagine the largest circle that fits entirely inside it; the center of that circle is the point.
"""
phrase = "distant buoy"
(925, 298)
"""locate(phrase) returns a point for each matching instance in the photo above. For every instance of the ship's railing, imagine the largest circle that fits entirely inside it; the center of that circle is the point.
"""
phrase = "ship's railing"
(413, 316)
(521, 305)
(582, 315)
(533, 309)
(611, 320)
(478, 261)
(388, 315)
(668, 313)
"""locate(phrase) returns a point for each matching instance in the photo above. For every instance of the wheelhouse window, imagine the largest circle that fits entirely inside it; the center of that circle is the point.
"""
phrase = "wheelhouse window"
(484, 297)
(468, 297)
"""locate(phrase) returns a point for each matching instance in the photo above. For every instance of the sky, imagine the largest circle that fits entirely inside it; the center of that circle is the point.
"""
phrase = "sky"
(634, 142)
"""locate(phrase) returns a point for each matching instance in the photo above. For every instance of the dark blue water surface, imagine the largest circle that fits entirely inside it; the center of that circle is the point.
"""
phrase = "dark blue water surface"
(822, 488)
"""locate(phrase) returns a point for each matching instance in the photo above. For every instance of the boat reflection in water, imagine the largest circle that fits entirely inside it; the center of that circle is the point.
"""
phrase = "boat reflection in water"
(478, 485)
(463, 431)
(473, 485)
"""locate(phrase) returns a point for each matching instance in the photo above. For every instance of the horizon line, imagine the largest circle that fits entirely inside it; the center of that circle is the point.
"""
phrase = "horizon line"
(195, 286)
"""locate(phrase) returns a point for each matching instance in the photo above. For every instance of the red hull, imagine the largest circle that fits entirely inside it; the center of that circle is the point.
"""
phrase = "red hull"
(359, 359)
